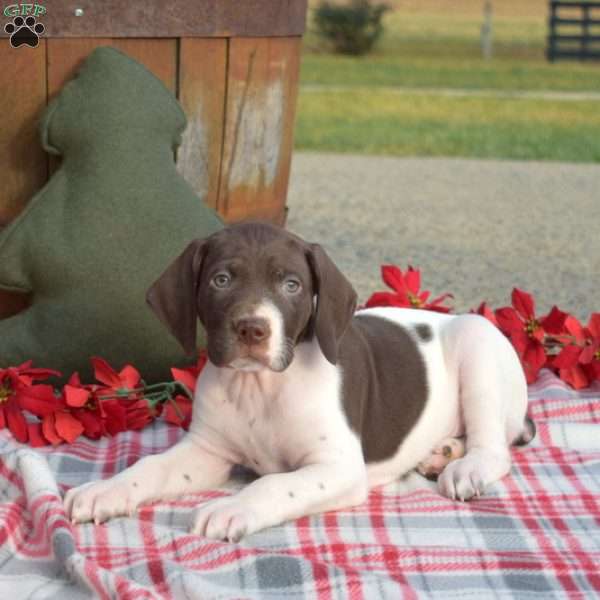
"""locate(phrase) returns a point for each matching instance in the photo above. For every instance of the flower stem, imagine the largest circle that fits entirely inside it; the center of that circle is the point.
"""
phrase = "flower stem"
(155, 393)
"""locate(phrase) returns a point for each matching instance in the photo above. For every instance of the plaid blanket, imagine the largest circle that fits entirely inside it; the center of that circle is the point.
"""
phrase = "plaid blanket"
(536, 534)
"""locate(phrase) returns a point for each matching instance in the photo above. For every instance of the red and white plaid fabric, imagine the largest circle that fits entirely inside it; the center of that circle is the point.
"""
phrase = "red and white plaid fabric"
(536, 534)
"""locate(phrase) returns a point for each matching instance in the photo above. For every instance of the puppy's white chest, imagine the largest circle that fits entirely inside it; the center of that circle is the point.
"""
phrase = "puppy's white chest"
(260, 431)
(252, 419)
(263, 448)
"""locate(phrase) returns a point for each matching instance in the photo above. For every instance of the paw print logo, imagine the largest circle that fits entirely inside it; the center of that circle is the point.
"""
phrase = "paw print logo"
(24, 31)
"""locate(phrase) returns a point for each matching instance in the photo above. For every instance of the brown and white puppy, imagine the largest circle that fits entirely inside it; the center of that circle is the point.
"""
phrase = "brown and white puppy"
(321, 402)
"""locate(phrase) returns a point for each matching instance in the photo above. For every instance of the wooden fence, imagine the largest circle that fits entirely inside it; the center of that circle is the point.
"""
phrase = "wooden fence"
(574, 30)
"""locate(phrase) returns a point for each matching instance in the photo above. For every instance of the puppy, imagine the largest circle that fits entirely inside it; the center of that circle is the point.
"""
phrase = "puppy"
(321, 402)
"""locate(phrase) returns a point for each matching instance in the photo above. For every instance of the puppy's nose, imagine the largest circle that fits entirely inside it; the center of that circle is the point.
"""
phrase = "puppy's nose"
(252, 330)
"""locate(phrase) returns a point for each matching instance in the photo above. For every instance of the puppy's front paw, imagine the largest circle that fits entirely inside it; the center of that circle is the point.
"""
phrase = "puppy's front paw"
(469, 476)
(99, 501)
(463, 478)
(224, 519)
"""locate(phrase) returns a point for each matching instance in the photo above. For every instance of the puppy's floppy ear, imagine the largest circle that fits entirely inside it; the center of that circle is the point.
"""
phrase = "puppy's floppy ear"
(336, 302)
(172, 296)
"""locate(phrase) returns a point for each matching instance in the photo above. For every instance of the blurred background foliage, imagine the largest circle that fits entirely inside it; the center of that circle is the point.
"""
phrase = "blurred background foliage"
(351, 28)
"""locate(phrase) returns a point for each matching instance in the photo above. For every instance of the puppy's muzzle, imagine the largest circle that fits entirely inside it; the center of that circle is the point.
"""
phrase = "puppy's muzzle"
(252, 331)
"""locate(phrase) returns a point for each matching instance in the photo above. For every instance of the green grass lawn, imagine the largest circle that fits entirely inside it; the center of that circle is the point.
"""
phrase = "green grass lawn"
(446, 71)
(345, 103)
(421, 124)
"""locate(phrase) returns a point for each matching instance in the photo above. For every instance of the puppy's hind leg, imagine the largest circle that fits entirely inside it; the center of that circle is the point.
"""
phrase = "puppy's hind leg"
(527, 433)
(493, 396)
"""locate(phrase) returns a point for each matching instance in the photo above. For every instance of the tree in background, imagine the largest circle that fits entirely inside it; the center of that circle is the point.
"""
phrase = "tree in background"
(350, 28)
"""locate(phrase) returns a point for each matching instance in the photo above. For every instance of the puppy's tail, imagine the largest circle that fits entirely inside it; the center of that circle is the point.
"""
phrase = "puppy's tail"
(527, 434)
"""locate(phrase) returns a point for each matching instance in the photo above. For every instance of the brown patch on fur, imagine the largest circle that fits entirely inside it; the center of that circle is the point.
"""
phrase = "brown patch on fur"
(385, 383)
(424, 332)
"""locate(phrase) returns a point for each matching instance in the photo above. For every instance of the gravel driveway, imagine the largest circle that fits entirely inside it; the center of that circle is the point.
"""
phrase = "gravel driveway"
(476, 228)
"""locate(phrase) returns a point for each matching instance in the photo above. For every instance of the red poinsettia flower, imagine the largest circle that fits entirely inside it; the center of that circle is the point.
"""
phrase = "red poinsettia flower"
(61, 426)
(178, 411)
(139, 413)
(527, 332)
(122, 391)
(590, 356)
(17, 393)
(35, 435)
(38, 399)
(113, 414)
(75, 394)
(407, 292)
(28, 374)
(91, 420)
(83, 404)
(127, 379)
(189, 375)
(567, 360)
(485, 311)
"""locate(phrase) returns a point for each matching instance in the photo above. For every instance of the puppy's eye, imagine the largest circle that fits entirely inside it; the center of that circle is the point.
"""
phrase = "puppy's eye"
(291, 286)
(221, 280)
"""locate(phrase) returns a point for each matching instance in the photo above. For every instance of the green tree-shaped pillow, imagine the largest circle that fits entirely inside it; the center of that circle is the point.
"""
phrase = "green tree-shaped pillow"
(104, 227)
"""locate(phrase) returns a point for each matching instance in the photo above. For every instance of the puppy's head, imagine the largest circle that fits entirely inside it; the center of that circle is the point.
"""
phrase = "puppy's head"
(258, 291)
